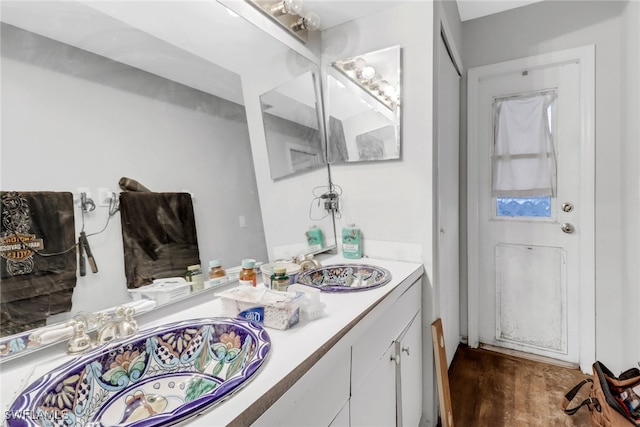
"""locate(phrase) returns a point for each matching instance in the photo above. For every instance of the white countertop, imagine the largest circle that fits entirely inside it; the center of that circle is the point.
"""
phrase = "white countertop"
(289, 348)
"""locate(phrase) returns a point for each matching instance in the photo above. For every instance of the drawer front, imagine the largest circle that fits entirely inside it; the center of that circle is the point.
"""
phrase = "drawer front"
(375, 342)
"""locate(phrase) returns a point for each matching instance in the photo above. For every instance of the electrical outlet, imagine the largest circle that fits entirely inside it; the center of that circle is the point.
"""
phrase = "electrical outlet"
(104, 196)
(243, 221)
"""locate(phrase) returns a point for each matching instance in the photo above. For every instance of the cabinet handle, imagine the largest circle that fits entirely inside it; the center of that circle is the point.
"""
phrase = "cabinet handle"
(406, 350)
(396, 359)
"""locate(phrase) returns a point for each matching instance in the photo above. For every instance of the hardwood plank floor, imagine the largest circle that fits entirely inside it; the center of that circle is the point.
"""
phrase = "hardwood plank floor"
(490, 389)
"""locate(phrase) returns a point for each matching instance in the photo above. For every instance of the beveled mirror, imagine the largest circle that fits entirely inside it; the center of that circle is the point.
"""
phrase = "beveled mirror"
(292, 122)
(363, 107)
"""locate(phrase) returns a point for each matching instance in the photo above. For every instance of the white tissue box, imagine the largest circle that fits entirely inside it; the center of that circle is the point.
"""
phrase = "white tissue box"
(163, 290)
(273, 309)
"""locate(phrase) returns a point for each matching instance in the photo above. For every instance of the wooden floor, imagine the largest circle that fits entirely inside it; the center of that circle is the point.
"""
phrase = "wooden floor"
(489, 389)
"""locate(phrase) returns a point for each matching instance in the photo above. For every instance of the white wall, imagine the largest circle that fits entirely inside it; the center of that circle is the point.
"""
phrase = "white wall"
(391, 201)
(73, 119)
(613, 27)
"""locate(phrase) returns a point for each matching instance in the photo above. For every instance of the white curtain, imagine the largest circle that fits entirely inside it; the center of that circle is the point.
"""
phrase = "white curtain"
(524, 161)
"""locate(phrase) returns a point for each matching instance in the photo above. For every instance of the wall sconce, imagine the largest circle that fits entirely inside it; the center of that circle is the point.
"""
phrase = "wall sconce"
(288, 13)
(365, 75)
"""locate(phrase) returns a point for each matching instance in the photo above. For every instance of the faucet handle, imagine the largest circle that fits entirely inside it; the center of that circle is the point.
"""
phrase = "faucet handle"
(128, 325)
(80, 341)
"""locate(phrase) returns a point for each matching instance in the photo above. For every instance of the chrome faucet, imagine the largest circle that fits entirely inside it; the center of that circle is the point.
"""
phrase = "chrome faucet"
(307, 262)
(123, 325)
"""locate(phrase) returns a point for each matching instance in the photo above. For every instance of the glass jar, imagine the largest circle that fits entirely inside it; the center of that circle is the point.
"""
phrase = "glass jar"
(248, 274)
(217, 274)
(279, 279)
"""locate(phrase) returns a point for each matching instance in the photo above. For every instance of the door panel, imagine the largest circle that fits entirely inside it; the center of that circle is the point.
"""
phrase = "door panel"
(530, 277)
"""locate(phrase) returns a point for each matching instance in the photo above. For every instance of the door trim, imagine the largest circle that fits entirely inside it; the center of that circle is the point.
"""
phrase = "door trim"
(585, 58)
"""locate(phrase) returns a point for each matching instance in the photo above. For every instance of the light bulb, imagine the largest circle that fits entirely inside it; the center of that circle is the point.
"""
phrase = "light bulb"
(291, 7)
(310, 22)
(367, 73)
(382, 86)
(390, 92)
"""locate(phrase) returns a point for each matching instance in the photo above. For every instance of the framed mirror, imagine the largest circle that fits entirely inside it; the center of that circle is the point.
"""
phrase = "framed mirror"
(363, 107)
(292, 122)
(147, 90)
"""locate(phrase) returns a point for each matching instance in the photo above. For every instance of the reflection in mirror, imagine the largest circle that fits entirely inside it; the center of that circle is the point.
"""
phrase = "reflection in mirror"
(292, 123)
(363, 109)
(92, 93)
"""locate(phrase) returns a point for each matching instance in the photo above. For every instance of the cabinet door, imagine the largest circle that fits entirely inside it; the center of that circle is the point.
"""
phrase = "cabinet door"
(410, 379)
(373, 402)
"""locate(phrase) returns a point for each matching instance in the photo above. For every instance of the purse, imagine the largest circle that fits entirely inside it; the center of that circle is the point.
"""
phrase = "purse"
(613, 401)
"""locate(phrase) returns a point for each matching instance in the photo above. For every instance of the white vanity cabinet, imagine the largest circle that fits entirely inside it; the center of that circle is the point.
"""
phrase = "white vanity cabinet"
(386, 373)
(372, 376)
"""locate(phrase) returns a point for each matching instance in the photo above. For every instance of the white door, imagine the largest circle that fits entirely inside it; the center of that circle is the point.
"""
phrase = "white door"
(531, 258)
(447, 271)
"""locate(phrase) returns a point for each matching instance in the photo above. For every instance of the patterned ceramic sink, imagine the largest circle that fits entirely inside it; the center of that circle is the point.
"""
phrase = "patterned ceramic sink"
(345, 277)
(159, 377)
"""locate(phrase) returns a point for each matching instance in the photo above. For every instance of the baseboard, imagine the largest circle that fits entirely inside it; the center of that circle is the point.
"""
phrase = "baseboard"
(529, 356)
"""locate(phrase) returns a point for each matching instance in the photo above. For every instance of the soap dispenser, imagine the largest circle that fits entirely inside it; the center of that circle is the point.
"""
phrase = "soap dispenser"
(351, 242)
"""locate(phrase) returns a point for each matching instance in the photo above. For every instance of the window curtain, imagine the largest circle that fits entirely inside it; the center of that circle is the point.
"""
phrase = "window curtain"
(524, 160)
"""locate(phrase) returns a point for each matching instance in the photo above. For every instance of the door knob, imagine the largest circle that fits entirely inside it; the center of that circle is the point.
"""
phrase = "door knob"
(567, 228)
(567, 207)
(396, 359)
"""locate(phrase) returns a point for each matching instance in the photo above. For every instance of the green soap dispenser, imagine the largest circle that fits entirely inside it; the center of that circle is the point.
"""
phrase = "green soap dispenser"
(315, 240)
(351, 242)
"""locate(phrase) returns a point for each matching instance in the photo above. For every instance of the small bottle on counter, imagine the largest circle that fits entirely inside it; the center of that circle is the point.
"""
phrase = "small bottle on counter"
(248, 274)
(194, 275)
(315, 240)
(351, 242)
(217, 274)
(279, 279)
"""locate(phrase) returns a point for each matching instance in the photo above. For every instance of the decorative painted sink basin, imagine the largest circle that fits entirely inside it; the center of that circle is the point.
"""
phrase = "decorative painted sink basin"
(159, 377)
(345, 277)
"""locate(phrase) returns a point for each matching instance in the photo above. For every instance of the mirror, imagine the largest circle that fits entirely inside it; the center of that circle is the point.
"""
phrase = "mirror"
(363, 107)
(93, 92)
(292, 121)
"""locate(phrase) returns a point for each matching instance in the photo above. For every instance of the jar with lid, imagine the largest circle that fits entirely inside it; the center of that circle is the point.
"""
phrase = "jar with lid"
(217, 274)
(279, 279)
(194, 275)
(248, 274)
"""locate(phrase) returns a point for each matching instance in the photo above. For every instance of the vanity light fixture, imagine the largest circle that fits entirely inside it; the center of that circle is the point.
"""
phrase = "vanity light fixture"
(289, 14)
(368, 79)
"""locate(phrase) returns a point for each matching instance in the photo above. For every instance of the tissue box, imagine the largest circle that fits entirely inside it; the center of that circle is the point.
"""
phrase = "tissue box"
(273, 309)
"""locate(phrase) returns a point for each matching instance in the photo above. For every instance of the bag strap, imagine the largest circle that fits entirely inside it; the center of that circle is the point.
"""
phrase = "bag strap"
(571, 394)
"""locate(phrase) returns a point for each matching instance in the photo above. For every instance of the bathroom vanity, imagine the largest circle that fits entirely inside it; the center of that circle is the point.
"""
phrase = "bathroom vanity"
(352, 366)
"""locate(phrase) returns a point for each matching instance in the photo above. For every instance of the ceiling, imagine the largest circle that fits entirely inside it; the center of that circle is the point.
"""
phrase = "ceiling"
(334, 12)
